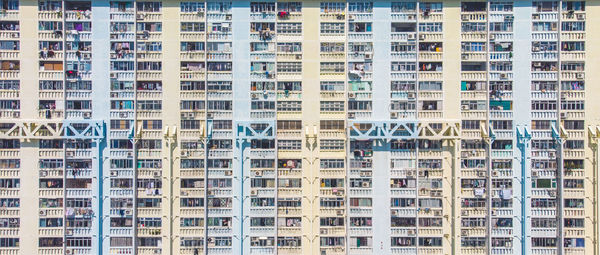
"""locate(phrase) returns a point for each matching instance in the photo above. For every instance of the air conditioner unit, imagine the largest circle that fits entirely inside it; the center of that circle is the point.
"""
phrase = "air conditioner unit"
(411, 36)
(129, 154)
(210, 192)
(253, 193)
(580, 75)
(258, 173)
(69, 154)
(437, 213)
(184, 193)
(323, 231)
(394, 212)
(351, 115)
(42, 213)
(564, 115)
(339, 212)
(552, 154)
(156, 173)
(464, 232)
(114, 173)
(228, 17)
(411, 232)
(465, 154)
(351, 95)
(464, 56)
(157, 251)
(535, 16)
(394, 115)
(495, 173)
(87, 115)
(410, 173)
(122, 115)
(43, 173)
(228, 172)
(140, 16)
(534, 174)
(464, 107)
(365, 184)
(503, 76)
(581, 16)
(464, 213)
(209, 116)
(481, 173)
(421, 37)
(69, 251)
(16, 114)
(298, 56)
(536, 49)
(465, 18)
(128, 212)
(494, 213)
(113, 75)
(350, 17)
(69, 232)
(339, 193)
(411, 95)
(368, 56)
(254, 96)
(492, 37)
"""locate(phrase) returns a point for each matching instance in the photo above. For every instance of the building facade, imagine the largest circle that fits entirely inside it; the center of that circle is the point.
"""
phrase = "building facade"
(299, 127)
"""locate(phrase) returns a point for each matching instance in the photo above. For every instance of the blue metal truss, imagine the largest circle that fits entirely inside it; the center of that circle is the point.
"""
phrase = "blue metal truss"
(53, 129)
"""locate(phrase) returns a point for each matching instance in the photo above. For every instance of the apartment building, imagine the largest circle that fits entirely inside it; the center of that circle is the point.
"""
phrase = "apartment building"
(299, 127)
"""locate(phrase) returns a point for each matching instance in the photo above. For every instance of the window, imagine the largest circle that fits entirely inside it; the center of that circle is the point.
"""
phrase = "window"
(573, 6)
(192, 27)
(332, 47)
(331, 28)
(404, 7)
(289, 125)
(403, 47)
(332, 106)
(572, 105)
(289, 28)
(427, 7)
(149, 26)
(149, 6)
(289, 6)
(332, 67)
(332, 124)
(218, 7)
(192, 7)
(326, 144)
(501, 6)
(289, 144)
(289, 67)
(360, 27)
(14, 84)
(289, 106)
(289, 47)
(149, 66)
(360, 7)
(327, 7)
(332, 85)
(473, 27)
(473, 46)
